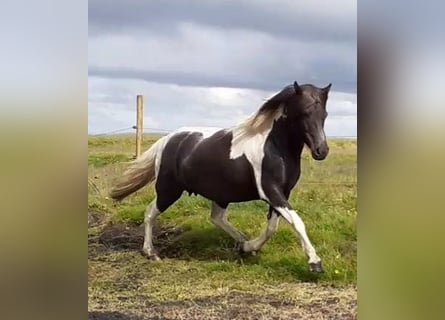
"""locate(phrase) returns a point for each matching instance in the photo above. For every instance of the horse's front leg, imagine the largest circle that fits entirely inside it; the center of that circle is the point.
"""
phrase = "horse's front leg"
(256, 244)
(280, 204)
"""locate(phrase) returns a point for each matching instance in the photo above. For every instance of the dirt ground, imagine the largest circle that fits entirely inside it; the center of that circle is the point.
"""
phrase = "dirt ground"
(239, 306)
(315, 301)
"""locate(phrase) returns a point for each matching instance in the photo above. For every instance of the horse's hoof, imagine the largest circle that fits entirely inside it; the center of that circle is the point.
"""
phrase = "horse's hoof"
(151, 256)
(242, 252)
(246, 254)
(316, 267)
(154, 257)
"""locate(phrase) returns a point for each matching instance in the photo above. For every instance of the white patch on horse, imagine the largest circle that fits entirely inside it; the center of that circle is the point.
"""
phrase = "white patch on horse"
(295, 220)
(205, 131)
(253, 149)
(249, 138)
(160, 146)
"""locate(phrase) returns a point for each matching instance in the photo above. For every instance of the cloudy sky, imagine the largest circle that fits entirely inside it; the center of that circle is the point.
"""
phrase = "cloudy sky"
(212, 63)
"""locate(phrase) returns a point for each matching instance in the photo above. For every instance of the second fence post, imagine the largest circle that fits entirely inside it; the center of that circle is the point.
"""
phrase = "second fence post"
(139, 124)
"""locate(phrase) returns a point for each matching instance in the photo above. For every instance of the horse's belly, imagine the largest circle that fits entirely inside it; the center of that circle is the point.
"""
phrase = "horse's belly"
(213, 175)
(227, 190)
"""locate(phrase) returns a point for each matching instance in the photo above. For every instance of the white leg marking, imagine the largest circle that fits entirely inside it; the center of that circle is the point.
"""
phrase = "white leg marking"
(257, 243)
(219, 218)
(151, 213)
(294, 219)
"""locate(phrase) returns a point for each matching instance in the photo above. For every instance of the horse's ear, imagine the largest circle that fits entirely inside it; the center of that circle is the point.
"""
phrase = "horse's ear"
(327, 88)
(297, 88)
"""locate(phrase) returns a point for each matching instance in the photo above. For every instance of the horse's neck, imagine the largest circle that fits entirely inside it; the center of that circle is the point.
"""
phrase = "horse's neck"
(287, 143)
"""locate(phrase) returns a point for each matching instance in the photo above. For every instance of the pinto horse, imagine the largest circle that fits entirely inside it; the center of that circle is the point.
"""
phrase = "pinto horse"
(259, 159)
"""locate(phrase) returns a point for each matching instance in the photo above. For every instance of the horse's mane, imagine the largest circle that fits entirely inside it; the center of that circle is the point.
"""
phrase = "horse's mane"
(262, 120)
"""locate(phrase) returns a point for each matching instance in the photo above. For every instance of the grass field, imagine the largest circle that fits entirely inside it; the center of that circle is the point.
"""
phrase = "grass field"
(202, 275)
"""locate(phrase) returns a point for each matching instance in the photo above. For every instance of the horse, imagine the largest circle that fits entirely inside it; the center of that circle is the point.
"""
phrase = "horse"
(258, 159)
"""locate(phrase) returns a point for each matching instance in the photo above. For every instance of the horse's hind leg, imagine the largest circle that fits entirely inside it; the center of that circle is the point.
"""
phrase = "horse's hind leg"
(219, 218)
(151, 214)
(165, 198)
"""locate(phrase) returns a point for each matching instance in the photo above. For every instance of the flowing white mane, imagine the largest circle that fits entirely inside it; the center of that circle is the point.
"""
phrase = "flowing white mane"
(259, 123)
(253, 131)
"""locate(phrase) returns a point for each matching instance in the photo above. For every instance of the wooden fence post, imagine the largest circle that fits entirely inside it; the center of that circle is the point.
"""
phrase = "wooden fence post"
(139, 124)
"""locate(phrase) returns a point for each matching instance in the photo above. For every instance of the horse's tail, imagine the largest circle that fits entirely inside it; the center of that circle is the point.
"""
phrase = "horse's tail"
(141, 172)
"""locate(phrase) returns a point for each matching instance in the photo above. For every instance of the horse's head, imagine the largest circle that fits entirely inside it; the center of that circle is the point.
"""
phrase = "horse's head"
(303, 111)
(306, 108)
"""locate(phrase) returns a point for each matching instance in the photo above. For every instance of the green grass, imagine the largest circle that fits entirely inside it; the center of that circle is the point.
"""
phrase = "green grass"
(202, 258)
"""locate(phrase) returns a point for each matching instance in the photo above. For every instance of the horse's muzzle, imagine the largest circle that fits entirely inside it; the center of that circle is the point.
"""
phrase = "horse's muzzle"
(320, 153)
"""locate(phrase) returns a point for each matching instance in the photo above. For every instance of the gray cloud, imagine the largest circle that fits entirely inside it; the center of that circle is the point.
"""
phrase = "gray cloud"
(184, 55)
(215, 57)
(306, 20)
(268, 41)
(185, 79)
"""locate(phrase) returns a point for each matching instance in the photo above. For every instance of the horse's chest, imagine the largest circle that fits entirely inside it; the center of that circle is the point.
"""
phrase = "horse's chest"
(279, 173)
(292, 175)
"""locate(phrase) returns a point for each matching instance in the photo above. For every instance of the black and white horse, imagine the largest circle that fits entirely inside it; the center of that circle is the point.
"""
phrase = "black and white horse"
(257, 159)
